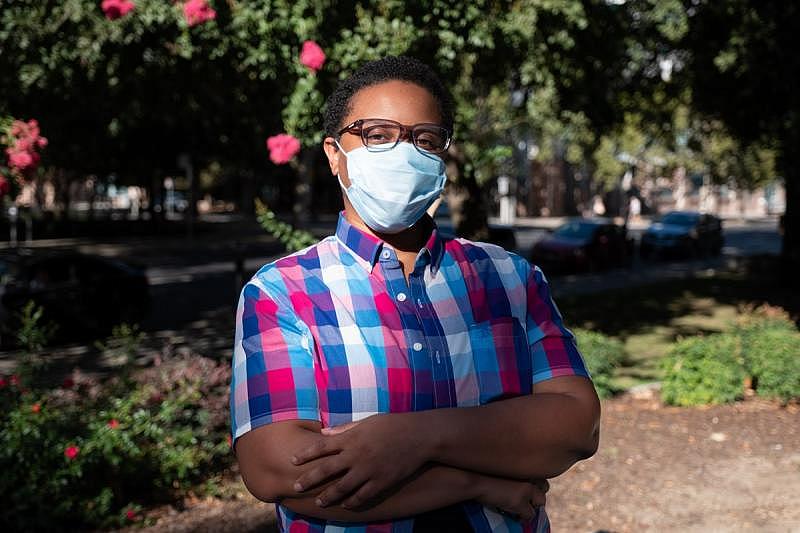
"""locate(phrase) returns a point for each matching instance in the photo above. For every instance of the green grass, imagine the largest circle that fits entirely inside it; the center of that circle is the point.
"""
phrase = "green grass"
(649, 319)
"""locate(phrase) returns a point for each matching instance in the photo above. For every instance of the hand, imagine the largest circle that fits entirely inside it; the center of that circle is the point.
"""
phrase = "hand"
(518, 499)
(369, 458)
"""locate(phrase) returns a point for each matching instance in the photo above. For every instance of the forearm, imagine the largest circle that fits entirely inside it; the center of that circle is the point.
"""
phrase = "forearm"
(265, 460)
(432, 488)
(531, 437)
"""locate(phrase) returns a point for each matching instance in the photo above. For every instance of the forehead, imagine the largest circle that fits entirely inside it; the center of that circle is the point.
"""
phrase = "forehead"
(401, 101)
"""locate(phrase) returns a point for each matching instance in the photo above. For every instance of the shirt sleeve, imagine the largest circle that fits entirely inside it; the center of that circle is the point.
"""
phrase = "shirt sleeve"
(552, 346)
(273, 363)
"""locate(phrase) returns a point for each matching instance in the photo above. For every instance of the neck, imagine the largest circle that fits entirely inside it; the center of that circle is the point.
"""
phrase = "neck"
(411, 240)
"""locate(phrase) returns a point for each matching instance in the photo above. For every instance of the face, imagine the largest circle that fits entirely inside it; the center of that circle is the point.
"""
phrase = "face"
(401, 101)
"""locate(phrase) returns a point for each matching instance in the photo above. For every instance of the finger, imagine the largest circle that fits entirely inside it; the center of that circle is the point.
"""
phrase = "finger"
(320, 448)
(338, 429)
(537, 499)
(363, 496)
(526, 515)
(326, 468)
(340, 490)
(543, 484)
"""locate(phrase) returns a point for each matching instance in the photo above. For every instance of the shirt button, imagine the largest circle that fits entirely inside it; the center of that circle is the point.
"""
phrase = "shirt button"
(385, 254)
(401, 297)
(417, 346)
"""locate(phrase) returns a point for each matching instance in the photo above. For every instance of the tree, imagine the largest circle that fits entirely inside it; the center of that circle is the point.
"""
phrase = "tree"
(743, 69)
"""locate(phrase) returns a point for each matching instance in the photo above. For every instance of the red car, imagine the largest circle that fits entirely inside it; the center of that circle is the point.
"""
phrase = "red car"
(583, 245)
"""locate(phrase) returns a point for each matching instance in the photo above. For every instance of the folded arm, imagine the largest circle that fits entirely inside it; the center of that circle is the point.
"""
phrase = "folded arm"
(526, 438)
(265, 461)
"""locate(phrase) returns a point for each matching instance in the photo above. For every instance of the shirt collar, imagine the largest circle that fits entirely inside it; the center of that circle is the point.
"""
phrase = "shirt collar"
(368, 247)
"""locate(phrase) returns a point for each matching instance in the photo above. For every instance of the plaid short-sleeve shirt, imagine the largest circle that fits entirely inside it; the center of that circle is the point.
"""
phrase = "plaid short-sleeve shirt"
(335, 333)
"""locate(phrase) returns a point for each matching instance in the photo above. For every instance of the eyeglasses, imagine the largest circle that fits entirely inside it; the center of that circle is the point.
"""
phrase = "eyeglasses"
(380, 135)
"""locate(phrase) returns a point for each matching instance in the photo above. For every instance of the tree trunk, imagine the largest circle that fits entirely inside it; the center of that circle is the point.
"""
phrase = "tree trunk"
(464, 197)
(790, 253)
(303, 187)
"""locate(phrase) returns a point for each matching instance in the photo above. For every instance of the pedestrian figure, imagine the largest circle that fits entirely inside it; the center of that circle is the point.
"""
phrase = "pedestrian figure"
(388, 378)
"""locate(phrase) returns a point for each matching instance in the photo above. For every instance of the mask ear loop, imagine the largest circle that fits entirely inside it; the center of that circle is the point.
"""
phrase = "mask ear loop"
(339, 174)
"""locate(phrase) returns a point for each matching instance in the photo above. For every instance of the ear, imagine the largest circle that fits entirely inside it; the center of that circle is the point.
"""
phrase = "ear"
(332, 152)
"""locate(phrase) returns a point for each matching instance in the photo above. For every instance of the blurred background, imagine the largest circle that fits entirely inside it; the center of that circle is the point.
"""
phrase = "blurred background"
(156, 153)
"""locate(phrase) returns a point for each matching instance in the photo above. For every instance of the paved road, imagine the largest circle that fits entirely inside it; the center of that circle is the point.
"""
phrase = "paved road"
(194, 284)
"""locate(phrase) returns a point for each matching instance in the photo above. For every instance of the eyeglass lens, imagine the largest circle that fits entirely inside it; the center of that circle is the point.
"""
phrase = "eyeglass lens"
(385, 135)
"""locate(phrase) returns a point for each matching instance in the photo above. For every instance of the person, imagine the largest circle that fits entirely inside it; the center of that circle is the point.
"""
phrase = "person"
(388, 378)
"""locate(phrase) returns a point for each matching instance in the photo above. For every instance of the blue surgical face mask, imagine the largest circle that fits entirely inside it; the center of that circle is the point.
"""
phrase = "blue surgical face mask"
(392, 189)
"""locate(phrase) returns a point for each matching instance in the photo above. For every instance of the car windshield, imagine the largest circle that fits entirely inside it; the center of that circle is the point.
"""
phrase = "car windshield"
(575, 230)
(680, 219)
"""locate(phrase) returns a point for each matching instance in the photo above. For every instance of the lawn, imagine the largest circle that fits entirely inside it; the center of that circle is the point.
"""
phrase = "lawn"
(648, 319)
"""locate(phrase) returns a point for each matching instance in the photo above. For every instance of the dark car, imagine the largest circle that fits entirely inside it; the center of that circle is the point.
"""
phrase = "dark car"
(683, 233)
(82, 294)
(583, 245)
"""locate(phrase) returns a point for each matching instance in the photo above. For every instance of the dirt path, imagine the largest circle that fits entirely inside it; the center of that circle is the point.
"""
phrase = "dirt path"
(714, 469)
(725, 468)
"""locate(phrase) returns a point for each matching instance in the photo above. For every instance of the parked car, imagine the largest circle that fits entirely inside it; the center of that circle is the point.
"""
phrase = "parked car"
(683, 233)
(583, 245)
(82, 294)
(500, 234)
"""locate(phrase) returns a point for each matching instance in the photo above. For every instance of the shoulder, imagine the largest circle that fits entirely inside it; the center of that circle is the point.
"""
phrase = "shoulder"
(272, 277)
(483, 255)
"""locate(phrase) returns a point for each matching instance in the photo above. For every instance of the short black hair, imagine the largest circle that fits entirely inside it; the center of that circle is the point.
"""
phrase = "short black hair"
(390, 68)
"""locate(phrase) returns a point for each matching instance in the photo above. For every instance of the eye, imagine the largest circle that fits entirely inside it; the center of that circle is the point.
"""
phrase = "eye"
(380, 134)
(428, 139)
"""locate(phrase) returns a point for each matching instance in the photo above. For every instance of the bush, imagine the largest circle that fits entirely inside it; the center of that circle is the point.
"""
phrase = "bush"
(771, 350)
(704, 370)
(602, 355)
(773, 361)
(87, 455)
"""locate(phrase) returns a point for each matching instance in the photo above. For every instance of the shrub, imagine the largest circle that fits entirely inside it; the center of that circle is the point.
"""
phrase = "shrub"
(704, 370)
(773, 361)
(87, 455)
(602, 355)
(771, 351)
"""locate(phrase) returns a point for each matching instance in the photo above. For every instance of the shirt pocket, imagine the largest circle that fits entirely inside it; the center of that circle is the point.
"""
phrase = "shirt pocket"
(502, 358)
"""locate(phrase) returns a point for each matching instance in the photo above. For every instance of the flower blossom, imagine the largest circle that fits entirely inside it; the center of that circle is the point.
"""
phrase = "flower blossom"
(20, 159)
(23, 140)
(14, 380)
(114, 9)
(3, 380)
(282, 148)
(35, 408)
(312, 56)
(197, 12)
(131, 515)
(71, 452)
(68, 383)
(113, 423)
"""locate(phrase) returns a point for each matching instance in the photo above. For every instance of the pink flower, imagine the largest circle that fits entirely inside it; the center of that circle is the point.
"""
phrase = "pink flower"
(20, 159)
(282, 148)
(131, 515)
(23, 141)
(5, 188)
(197, 12)
(35, 408)
(14, 380)
(115, 9)
(3, 380)
(71, 452)
(113, 423)
(312, 56)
